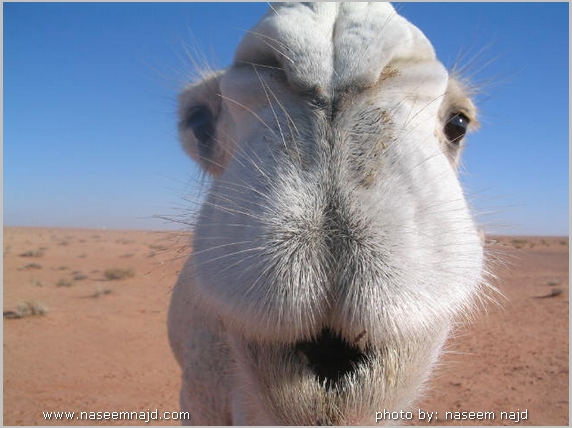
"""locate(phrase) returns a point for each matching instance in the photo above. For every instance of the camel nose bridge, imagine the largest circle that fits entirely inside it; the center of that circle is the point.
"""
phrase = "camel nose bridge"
(337, 221)
(340, 228)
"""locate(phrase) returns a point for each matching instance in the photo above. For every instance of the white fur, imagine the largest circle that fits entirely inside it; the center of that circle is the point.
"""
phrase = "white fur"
(335, 204)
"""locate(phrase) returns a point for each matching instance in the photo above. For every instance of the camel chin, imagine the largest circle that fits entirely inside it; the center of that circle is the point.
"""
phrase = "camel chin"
(335, 251)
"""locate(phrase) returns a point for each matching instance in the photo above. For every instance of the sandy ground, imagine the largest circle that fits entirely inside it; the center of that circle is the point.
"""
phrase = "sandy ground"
(102, 346)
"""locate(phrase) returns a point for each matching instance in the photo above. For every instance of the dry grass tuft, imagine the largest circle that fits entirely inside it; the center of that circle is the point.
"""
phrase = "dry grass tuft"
(118, 273)
(30, 266)
(26, 309)
(100, 291)
(33, 253)
(64, 283)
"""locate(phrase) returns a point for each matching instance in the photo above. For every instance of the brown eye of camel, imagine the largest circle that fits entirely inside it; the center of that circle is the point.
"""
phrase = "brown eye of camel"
(201, 123)
(456, 127)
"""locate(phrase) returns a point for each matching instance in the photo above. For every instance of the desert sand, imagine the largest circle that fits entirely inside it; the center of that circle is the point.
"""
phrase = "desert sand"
(76, 339)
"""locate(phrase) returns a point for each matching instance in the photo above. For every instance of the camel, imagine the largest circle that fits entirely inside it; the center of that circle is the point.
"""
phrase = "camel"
(335, 251)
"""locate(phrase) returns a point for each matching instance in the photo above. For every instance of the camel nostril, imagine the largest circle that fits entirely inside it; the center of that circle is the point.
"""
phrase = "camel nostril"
(330, 357)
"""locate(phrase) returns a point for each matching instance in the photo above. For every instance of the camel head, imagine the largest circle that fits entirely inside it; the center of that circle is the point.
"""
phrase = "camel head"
(335, 251)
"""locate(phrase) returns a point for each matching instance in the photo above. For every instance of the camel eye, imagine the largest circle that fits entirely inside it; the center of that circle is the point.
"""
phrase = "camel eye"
(201, 122)
(456, 127)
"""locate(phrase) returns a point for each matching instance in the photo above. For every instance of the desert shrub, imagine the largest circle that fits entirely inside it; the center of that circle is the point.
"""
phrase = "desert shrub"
(33, 253)
(125, 241)
(64, 283)
(519, 243)
(100, 291)
(118, 273)
(33, 266)
(26, 309)
(31, 308)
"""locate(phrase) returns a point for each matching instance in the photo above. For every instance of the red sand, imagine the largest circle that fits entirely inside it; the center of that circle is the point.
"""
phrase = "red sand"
(110, 353)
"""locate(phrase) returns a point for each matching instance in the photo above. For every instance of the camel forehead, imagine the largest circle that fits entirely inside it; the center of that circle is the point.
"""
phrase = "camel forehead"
(333, 46)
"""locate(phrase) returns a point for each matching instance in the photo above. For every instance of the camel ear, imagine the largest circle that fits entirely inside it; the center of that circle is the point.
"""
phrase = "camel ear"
(199, 116)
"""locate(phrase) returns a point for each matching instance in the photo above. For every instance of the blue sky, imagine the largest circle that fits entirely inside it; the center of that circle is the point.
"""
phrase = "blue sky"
(89, 126)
